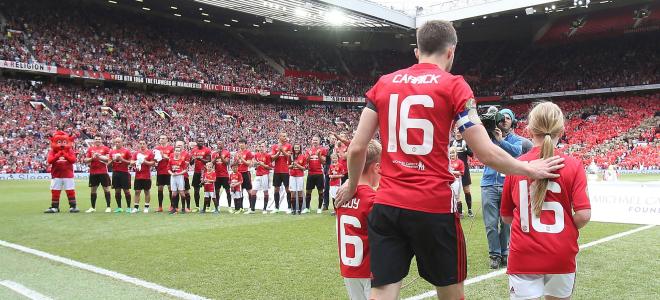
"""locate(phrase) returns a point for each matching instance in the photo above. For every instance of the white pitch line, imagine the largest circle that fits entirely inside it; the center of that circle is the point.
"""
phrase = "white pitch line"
(21, 289)
(136, 281)
(483, 277)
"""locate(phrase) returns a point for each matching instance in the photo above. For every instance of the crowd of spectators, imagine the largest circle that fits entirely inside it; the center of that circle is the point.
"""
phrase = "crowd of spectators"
(64, 34)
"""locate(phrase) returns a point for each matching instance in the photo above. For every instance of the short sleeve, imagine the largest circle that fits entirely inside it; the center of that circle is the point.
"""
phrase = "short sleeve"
(579, 196)
(371, 96)
(89, 153)
(463, 104)
(506, 206)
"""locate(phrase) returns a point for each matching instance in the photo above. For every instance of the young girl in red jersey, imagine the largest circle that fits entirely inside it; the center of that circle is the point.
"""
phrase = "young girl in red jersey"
(545, 216)
(209, 188)
(456, 168)
(296, 175)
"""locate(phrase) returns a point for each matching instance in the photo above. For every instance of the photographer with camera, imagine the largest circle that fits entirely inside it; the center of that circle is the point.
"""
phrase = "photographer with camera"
(499, 125)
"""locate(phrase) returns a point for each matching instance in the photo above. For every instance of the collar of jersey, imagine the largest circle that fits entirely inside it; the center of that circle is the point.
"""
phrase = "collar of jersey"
(425, 66)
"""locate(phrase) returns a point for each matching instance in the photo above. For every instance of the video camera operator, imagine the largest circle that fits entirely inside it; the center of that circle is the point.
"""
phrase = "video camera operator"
(498, 124)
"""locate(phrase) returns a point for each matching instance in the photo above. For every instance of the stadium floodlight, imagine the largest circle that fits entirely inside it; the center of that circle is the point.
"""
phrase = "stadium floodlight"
(207, 21)
(174, 7)
(234, 20)
(300, 12)
(227, 25)
(113, 2)
(205, 14)
(146, 8)
(335, 17)
(177, 15)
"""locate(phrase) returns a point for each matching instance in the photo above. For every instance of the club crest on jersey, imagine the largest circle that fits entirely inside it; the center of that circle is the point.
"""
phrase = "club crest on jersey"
(419, 165)
(421, 79)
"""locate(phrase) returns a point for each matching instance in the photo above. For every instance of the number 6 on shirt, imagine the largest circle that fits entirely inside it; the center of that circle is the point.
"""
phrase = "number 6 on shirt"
(555, 207)
(350, 239)
(406, 123)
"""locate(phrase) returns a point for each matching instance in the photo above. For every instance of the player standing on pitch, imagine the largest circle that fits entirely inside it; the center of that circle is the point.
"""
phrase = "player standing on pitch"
(414, 214)
(281, 155)
(545, 215)
(121, 179)
(245, 158)
(263, 165)
(162, 154)
(200, 156)
(98, 157)
(316, 156)
(143, 159)
(297, 173)
(221, 159)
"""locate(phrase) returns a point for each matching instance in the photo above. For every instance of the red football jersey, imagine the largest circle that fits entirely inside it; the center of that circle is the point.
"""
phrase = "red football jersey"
(341, 152)
(220, 167)
(457, 165)
(145, 170)
(545, 245)
(335, 170)
(186, 157)
(236, 178)
(177, 165)
(295, 172)
(203, 153)
(247, 156)
(209, 176)
(264, 158)
(352, 233)
(119, 166)
(282, 162)
(314, 161)
(416, 109)
(163, 164)
(62, 163)
(96, 166)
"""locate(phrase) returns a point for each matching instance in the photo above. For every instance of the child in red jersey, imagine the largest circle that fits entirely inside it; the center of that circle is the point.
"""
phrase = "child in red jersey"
(545, 215)
(209, 188)
(235, 185)
(352, 228)
(335, 173)
(456, 168)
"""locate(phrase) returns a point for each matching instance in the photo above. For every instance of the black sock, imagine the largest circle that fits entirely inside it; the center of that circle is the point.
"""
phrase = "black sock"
(460, 207)
(288, 200)
(174, 201)
(300, 202)
(196, 197)
(160, 198)
(228, 199)
(107, 198)
(308, 199)
(93, 198)
(468, 200)
(253, 201)
(207, 202)
(236, 204)
(320, 193)
(118, 198)
(128, 199)
(265, 200)
(277, 198)
(216, 203)
(188, 201)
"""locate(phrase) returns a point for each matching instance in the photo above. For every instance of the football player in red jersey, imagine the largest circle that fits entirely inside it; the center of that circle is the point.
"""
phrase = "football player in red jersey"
(281, 155)
(316, 156)
(177, 166)
(221, 159)
(200, 156)
(245, 161)
(209, 186)
(335, 173)
(545, 215)
(98, 157)
(297, 173)
(143, 159)
(121, 179)
(185, 201)
(263, 163)
(456, 168)
(352, 219)
(162, 154)
(413, 213)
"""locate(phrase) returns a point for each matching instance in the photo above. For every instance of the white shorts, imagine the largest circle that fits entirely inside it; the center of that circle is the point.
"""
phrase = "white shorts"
(262, 183)
(296, 184)
(237, 195)
(533, 286)
(209, 195)
(59, 184)
(176, 183)
(456, 190)
(358, 288)
(333, 191)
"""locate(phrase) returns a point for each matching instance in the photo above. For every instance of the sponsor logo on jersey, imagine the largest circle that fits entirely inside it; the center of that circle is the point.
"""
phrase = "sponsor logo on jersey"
(421, 79)
(418, 165)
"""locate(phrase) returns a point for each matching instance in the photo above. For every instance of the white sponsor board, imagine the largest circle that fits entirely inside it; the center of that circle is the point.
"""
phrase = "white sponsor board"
(625, 202)
(31, 67)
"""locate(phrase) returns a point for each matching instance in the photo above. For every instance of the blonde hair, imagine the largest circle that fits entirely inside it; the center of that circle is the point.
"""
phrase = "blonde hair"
(453, 150)
(545, 120)
(373, 154)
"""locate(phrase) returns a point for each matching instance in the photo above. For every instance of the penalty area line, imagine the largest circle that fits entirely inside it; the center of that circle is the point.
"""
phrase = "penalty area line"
(490, 275)
(112, 274)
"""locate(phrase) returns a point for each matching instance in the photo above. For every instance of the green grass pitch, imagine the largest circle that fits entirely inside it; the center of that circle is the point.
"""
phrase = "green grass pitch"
(257, 256)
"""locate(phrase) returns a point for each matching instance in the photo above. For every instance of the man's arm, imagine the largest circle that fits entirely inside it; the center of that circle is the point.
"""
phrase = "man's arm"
(357, 154)
(514, 149)
(496, 158)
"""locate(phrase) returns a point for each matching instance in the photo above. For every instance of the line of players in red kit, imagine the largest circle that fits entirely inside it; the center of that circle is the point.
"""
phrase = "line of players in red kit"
(211, 172)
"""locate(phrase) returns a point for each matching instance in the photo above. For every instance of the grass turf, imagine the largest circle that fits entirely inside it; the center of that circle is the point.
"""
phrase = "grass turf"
(263, 256)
